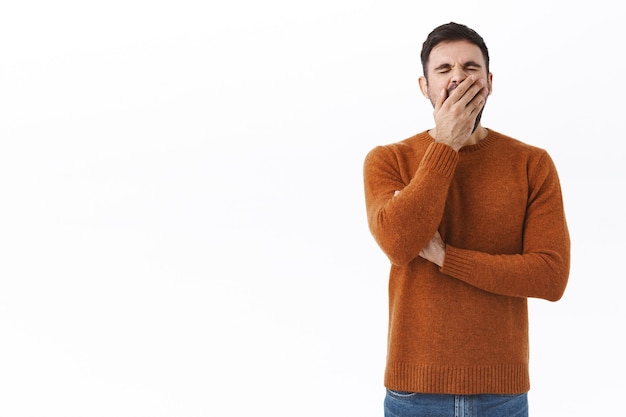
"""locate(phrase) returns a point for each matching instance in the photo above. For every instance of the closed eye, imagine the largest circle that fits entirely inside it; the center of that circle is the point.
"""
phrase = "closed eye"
(442, 69)
(468, 66)
(472, 66)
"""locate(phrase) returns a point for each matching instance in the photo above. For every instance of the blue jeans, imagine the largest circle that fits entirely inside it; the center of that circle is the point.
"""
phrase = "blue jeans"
(411, 404)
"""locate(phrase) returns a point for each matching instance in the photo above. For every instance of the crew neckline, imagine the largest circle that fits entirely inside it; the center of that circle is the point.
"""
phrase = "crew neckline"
(486, 142)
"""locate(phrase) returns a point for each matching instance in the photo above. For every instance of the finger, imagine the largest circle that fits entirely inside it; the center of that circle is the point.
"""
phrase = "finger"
(472, 93)
(467, 93)
(478, 101)
(457, 93)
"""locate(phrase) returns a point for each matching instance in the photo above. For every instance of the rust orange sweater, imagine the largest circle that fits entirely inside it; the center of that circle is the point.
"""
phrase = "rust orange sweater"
(463, 328)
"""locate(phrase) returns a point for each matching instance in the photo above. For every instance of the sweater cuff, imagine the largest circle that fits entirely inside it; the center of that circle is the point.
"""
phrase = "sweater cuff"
(441, 158)
(457, 263)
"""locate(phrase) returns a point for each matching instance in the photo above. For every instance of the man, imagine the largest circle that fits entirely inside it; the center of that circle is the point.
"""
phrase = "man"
(473, 224)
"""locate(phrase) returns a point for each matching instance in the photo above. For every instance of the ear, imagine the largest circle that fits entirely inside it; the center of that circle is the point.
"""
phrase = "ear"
(423, 85)
(490, 79)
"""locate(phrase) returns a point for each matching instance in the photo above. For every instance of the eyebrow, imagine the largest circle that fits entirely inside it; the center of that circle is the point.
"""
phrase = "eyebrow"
(465, 65)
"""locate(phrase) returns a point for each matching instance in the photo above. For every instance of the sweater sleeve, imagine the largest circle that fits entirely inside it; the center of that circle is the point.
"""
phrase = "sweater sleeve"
(402, 223)
(542, 269)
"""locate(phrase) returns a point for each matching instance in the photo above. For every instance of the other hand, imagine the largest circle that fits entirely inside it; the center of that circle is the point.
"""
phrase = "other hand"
(435, 250)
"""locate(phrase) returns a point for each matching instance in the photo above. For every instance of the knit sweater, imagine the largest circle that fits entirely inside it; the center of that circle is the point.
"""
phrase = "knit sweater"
(463, 328)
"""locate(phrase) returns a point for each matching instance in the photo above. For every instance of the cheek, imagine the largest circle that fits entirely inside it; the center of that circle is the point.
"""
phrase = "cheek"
(427, 91)
(434, 90)
(435, 86)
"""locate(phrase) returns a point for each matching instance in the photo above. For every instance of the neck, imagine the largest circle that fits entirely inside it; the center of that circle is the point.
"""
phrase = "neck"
(478, 134)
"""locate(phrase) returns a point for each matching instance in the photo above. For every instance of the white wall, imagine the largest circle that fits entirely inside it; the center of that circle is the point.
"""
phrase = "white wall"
(182, 226)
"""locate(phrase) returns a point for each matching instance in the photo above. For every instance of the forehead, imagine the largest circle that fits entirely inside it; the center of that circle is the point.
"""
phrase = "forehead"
(452, 52)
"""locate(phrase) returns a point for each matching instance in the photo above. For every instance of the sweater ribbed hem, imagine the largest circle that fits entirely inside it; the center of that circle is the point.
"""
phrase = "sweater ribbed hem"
(441, 158)
(434, 379)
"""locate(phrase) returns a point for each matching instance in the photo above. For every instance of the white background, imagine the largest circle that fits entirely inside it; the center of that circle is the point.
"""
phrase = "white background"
(182, 225)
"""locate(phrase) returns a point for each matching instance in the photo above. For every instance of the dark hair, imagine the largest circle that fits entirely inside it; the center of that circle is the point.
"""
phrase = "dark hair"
(452, 32)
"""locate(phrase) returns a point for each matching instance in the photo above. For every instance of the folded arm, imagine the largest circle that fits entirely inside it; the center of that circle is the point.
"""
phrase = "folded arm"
(404, 209)
(540, 271)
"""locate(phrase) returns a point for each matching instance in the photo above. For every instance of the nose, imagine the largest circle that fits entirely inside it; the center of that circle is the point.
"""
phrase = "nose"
(458, 75)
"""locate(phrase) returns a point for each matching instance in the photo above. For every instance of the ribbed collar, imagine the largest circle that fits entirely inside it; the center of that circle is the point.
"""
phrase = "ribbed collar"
(486, 142)
(490, 139)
